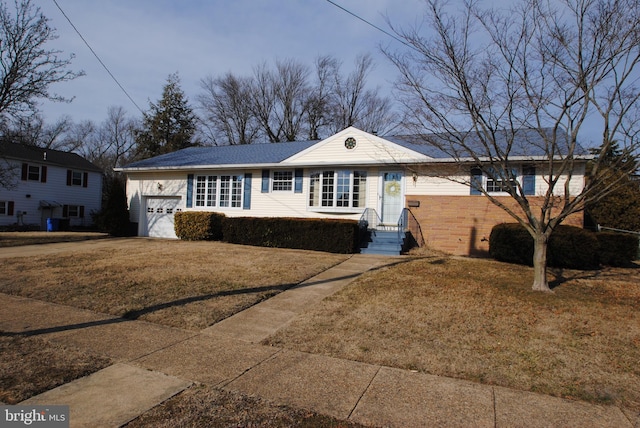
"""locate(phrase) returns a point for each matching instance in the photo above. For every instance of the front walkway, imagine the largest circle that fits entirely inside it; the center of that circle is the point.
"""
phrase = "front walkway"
(154, 362)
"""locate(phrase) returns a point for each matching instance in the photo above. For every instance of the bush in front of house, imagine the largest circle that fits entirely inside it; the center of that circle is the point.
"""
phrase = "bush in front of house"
(569, 247)
(329, 235)
(198, 225)
(617, 249)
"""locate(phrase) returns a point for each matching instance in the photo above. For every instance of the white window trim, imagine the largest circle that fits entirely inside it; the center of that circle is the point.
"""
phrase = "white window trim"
(335, 209)
(291, 181)
(235, 195)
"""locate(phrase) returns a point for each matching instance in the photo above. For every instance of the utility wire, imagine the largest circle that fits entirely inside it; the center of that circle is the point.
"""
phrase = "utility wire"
(98, 58)
(371, 24)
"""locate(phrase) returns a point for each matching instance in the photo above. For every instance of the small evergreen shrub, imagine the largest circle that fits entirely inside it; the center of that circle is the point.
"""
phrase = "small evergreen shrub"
(617, 249)
(569, 247)
(330, 235)
(198, 225)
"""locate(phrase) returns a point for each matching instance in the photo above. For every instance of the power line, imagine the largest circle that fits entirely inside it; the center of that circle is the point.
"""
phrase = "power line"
(371, 24)
(98, 58)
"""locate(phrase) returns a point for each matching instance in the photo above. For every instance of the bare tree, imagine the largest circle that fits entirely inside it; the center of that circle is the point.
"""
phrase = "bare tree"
(279, 99)
(549, 67)
(112, 143)
(319, 101)
(28, 67)
(34, 131)
(227, 111)
(355, 105)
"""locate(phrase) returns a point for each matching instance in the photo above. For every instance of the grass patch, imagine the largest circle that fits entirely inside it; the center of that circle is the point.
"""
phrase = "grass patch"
(190, 285)
(204, 406)
(479, 320)
(16, 239)
(30, 366)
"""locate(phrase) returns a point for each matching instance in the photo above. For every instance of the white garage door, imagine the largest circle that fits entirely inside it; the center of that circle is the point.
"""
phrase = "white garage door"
(160, 212)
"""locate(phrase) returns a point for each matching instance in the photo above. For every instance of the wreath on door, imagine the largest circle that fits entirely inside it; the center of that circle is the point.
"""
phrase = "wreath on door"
(392, 188)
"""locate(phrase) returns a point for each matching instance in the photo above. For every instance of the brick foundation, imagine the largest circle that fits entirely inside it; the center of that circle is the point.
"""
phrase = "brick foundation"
(461, 225)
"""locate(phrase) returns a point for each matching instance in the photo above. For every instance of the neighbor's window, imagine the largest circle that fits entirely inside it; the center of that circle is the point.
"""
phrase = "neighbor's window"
(282, 181)
(337, 189)
(76, 178)
(3, 208)
(33, 173)
(75, 211)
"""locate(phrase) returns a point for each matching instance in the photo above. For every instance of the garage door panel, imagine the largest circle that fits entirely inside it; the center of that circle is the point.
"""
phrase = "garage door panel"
(160, 217)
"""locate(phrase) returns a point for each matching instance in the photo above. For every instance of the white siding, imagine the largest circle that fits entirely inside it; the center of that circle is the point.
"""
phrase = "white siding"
(156, 184)
(369, 150)
(28, 194)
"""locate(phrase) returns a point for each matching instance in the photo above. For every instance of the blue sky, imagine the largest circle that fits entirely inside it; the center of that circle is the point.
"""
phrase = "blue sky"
(143, 41)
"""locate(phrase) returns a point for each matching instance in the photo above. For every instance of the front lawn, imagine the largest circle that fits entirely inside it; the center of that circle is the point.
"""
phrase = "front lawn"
(479, 320)
(182, 284)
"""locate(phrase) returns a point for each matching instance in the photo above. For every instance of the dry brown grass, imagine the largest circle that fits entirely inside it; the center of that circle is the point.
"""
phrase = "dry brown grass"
(182, 284)
(479, 320)
(203, 406)
(15, 239)
(30, 365)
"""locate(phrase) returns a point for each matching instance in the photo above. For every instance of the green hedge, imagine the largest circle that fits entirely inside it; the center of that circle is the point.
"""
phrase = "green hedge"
(569, 247)
(617, 249)
(330, 235)
(198, 225)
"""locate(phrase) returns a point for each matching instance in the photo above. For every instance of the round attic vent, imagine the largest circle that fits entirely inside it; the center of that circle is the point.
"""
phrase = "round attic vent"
(350, 143)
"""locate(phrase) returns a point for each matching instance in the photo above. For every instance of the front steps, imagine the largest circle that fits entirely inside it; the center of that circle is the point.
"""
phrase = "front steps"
(384, 243)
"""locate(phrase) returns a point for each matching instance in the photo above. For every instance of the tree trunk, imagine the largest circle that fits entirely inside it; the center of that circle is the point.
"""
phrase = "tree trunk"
(540, 282)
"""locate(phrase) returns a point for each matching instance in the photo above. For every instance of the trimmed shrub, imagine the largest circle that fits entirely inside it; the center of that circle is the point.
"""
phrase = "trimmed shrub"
(617, 249)
(330, 235)
(569, 246)
(511, 243)
(573, 248)
(198, 225)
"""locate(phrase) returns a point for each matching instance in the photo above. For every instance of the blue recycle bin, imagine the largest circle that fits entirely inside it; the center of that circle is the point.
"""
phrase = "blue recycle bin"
(53, 224)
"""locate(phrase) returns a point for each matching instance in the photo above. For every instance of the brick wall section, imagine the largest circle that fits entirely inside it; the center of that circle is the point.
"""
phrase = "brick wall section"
(461, 225)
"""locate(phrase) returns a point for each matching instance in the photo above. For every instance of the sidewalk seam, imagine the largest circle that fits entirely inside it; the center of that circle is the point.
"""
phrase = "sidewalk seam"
(364, 392)
(224, 383)
(495, 415)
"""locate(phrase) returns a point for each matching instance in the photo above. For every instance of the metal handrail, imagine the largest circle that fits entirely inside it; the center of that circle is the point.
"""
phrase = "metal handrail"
(409, 222)
(370, 219)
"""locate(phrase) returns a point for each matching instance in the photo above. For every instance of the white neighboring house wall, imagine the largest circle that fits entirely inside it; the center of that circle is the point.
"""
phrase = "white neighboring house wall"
(51, 195)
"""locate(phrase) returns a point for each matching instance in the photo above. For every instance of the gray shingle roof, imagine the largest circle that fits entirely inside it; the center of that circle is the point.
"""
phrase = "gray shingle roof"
(527, 143)
(225, 155)
(44, 156)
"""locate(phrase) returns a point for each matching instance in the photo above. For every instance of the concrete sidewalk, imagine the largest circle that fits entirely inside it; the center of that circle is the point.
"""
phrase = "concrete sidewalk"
(154, 362)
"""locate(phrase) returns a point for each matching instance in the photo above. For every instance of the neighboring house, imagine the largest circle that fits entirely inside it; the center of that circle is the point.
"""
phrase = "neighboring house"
(351, 175)
(48, 184)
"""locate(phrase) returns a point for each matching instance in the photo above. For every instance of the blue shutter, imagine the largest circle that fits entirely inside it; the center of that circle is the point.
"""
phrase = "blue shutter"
(529, 180)
(476, 181)
(246, 202)
(189, 190)
(265, 181)
(298, 181)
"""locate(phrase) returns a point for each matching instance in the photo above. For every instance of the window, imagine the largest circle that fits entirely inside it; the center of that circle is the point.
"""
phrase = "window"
(77, 178)
(337, 189)
(74, 211)
(222, 191)
(34, 173)
(495, 181)
(6, 208)
(498, 181)
(282, 181)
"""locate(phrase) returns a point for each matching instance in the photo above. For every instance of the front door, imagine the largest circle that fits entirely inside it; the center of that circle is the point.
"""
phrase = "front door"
(392, 198)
